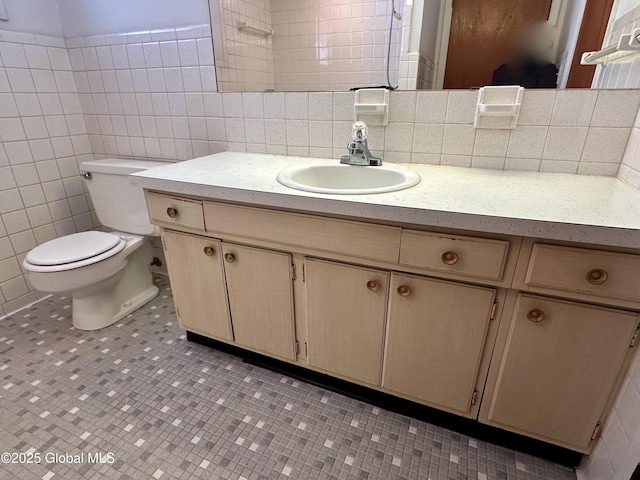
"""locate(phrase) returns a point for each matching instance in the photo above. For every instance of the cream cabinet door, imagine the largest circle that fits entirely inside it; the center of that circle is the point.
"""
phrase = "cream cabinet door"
(260, 289)
(558, 369)
(197, 281)
(435, 340)
(346, 310)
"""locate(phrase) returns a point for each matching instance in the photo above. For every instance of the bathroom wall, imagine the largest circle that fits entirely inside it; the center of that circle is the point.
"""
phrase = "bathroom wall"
(630, 169)
(34, 16)
(94, 17)
(244, 59)
(338, 46)
(142, 92)
(620, 74)
(616, 455)
(564, 131)
(42, 138)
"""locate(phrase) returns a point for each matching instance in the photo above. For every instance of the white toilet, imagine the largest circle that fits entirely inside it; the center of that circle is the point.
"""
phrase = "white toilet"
(106, 274)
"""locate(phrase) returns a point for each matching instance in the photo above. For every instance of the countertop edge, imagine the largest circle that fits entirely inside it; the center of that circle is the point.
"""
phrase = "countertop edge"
(559, 231)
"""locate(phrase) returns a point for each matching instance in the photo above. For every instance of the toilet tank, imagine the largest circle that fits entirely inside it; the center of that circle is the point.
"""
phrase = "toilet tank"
(118, 204)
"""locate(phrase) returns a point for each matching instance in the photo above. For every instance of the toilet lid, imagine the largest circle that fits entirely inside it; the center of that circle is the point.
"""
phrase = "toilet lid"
(73, 248)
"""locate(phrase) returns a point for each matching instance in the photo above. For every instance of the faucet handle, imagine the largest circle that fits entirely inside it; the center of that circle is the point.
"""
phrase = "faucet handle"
(359, 131)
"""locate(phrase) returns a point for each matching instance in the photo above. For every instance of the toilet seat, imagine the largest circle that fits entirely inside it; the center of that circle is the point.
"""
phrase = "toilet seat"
(73, 251)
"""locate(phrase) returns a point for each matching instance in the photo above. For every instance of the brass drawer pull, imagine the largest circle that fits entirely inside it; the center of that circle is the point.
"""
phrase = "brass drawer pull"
(535, 315)
(373, 285)
(208, 251)
(597, 276)
(172, 212)
(404, 291)
(229, 257)
(449, 257)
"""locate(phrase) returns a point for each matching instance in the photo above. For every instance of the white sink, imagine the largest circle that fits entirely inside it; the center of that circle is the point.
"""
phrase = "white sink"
(338, 179)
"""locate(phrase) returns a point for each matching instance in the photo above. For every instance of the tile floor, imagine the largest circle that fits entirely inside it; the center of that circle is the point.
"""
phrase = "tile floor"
(167, 408)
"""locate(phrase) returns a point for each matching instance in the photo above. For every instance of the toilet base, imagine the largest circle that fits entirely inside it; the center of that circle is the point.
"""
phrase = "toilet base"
(96, 311)
(117, 296)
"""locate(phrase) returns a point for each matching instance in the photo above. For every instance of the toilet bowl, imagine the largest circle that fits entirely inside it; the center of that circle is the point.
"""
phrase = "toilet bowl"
(107, 274)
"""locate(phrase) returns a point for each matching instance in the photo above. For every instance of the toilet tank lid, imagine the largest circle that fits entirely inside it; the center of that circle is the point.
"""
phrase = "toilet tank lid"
(119, 166)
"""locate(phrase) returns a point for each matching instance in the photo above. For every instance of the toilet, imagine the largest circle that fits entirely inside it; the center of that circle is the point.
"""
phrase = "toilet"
(107, 274)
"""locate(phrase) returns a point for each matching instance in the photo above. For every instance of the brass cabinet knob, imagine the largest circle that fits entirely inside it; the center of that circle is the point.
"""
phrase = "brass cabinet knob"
(229, 257)
(449, 257)
(208, 251)
(373, 285)
(404, 291)
(597, 276)
(172, 212)
(535, 315)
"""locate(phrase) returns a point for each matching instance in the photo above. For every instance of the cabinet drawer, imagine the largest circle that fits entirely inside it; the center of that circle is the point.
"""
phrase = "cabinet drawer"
(607, 274)
(357, 239)
(167, 209)
(471, 256)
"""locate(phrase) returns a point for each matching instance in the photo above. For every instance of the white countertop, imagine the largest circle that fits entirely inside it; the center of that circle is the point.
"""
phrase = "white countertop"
(578, 208)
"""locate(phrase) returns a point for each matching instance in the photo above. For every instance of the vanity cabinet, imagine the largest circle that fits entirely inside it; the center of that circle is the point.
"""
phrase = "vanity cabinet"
(346, 311)
(260, 292)
(558, 367)
(436, 337)
(513, 332)
(232, 293)
(197, 280)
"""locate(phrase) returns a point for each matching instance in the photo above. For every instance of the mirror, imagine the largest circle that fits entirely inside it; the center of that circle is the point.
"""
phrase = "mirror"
(329, 45)
(337, 45)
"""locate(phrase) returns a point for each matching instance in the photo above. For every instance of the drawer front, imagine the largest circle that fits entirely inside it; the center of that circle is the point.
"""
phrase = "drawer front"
(356, 239)
(607, 274)
(471, 256)
(166, 209)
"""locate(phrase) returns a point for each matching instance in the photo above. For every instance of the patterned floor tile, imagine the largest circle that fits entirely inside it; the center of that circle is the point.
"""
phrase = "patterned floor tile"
(137, 400)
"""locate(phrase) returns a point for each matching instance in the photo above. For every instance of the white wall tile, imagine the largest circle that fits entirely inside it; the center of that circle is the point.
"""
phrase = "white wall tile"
(458, 139)
(564, 143)
(320, 106)
(170, 54)
(255, 130)
(10, 201)
(431, 106)
(188, 51)
(616, 108)
(13, 55)
(428, 138)
(491, 143)
(11, 129)
(274, 105)
(555, 166)
(461, 106)
(574, 107)
(455, 160)
(32, 195)
(16, 221)
(605, 145)
(276, 131)
(252, 105)
(527, 142)
(18, 152)
(296, 106)
(402, 106)
(494, 163)
(20, 80)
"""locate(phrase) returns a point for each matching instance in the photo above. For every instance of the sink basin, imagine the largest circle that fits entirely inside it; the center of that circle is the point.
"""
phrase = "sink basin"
(338, 179)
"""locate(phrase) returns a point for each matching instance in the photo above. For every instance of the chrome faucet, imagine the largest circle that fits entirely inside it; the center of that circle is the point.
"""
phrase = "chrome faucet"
(359, 153)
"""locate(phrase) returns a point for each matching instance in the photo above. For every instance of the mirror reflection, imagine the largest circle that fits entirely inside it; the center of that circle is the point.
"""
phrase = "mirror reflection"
(414, 44)
(338, 45)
